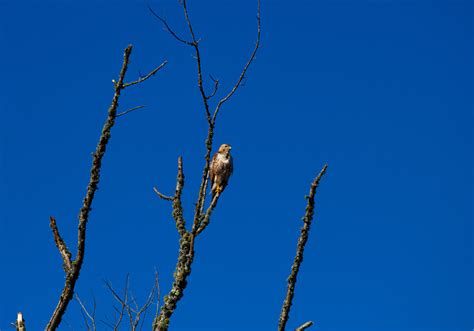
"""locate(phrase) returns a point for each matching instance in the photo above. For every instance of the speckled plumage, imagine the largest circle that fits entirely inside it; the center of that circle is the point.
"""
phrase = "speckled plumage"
(221, 169)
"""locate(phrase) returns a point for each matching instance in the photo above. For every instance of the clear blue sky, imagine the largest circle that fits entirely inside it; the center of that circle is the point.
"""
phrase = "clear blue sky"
(381, 90)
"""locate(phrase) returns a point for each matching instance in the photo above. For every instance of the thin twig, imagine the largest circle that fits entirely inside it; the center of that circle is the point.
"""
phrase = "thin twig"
(162, 196)
(242, 75)
(304, 326)
(129, 110)
(216, 86)
(308, 217)
(89, 316)
(162, 20)
(142, 79)
(136, 314)
(158, 294)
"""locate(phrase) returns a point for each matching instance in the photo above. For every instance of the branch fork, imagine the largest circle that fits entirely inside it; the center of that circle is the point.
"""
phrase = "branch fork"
(201, 218)
(72, 267)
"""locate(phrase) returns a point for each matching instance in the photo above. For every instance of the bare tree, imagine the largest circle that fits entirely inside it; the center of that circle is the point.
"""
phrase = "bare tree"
(128, 308)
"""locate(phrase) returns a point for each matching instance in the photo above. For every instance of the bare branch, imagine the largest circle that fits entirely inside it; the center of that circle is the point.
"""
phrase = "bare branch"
(73, 267)
(146, 305)
(142, 79)
(182, 271)
(73, 274)
(216, 86)
(129, 110)
(162, 196)
(177, 213)
(212, 121)
(177, 205)
(307, 219)
(61, 245)
(158, 294)
(87, 315)
(304, 326)
(201, 219)
(125, 307)
(168, 28)
(207, 216)
(136, 314)
(242, 75)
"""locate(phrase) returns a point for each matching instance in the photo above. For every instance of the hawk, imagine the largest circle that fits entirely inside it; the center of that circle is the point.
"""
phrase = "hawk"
(221, 169)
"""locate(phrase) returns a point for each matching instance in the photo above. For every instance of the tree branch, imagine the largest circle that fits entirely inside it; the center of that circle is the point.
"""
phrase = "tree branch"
(207, 215)
(162, 196)
(168, 28)
(304, 326)
(177, 204)
(142, 79)
(307, 219)
(129, 110)
(201, 219)
(73, 268)
(216, 86)
(182, 271)
(247, 65)
(61, 245)
(87, 315)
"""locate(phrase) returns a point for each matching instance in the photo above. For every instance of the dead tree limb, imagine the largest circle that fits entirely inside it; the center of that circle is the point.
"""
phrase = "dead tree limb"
(72, 268)
(307, 219)
(201, 218)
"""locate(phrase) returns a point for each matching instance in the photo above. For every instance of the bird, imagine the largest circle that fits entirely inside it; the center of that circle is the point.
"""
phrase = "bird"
(221, 169)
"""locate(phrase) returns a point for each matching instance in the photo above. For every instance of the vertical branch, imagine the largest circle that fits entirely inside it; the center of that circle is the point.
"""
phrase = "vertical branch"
(201, 218)
(73, 268)
(73, 274)
(307, 219)
(183, 270)
(177, 205)
(198, 216)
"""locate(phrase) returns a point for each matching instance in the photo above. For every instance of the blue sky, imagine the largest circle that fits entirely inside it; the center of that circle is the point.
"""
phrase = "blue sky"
(380, 90)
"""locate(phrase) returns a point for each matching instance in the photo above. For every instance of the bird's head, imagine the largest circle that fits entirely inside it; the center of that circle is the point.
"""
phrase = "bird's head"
(224, 149)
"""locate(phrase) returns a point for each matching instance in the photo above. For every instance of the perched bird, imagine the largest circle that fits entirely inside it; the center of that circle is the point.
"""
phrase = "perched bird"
(221, 169)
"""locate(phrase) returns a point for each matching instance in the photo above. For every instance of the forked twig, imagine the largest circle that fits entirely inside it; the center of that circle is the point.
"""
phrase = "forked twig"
(136, 314)
(142, 79)
(86, 315)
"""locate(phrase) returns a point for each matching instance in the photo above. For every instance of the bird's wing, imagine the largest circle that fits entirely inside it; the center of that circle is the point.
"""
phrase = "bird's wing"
(231, 166)
(212, 169)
